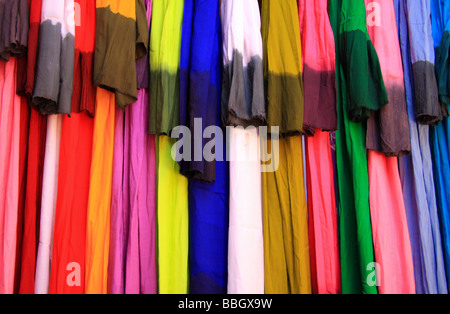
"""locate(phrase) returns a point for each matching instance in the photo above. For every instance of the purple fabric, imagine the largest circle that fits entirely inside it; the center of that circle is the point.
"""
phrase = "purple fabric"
(142, 64)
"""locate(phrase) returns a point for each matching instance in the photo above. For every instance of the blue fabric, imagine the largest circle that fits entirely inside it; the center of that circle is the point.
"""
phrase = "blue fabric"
(201, 73)
(420, 31)
(440, 136)
(417, 176)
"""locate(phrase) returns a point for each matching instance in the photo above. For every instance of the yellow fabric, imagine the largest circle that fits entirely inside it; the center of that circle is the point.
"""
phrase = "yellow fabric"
(173, 222)
(98, 216)
(125, 8)
(286, 244)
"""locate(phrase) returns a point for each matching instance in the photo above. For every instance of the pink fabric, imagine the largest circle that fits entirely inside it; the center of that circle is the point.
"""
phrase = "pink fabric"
(389, 225)
(390, 231)
(322, 215)
(132, 268)
(9, 173)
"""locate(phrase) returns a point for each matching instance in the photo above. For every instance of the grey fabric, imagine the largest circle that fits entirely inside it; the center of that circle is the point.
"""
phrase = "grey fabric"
(243, 92)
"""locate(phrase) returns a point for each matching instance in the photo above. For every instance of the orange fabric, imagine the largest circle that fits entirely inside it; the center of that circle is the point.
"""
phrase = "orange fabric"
(98, 215)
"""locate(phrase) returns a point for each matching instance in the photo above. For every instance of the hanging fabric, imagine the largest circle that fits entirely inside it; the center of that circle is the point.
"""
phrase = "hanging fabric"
(243, 105)
(287, 261)
(115, 49)
(165, 41)
(35, 7)
(52, 94)
(319, 80)
(319, 75)
(68, 256)
(417, 175)
(388, 135)
(348, 19)
(9, 172)
(34, 162)
(283, 76)
(54, 70)
(440, 17)
(14, 30)
(132, 261)
(172, 195)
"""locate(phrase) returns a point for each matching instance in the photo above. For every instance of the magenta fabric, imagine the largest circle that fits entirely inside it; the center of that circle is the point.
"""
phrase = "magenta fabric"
(132, 268)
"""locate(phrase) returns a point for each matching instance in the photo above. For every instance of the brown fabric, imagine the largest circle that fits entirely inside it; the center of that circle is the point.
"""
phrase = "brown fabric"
(14, 16)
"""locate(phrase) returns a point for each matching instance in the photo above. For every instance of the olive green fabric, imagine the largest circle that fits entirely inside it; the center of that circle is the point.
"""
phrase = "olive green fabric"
(282, 61)
(285, 226)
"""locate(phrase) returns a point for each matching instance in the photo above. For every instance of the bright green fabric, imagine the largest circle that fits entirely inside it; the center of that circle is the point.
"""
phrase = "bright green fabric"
(356, 245)
(165, 48)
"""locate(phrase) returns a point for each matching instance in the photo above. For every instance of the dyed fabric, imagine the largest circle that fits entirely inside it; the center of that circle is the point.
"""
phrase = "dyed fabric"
(172, 222)
(285, 226)
(132, 254)
(32, 51)
(245, 234)
(283, 76)
(142, 66)
(355, 229)
(418, 185)
(83, 96)
(48, 203)
(319, 77)
(243, 105)
(9, 173)
(23, 157)
(440, 16)
(132, 262)
(200, 83)
(99, 201)
(440, 13)
(32, 207)
(165, 47)
(388, 132)
(388, 128)
(243, 78)
(14, 28)
(360, 64)
(54, 69)
(201, 74)
(426, 102)
(322, 215)
(115, 49)
(69, 238)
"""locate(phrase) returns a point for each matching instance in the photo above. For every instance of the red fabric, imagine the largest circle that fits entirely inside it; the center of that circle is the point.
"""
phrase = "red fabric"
(23, 153)
(69, 240)
(32, 206)
(84, 91)
(33, 36)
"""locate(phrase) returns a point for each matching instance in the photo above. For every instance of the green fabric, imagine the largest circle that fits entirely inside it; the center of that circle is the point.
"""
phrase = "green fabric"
(355, 228)
(165, 48)
(360, 62)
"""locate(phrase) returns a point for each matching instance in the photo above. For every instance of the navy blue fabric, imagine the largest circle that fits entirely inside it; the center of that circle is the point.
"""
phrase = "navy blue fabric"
(201, 73)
